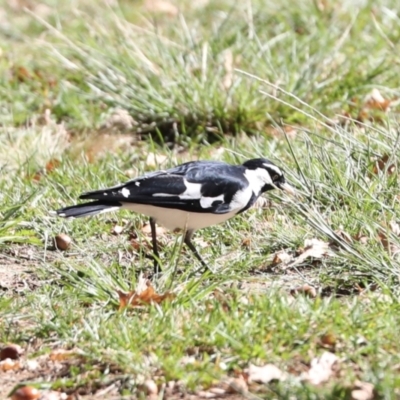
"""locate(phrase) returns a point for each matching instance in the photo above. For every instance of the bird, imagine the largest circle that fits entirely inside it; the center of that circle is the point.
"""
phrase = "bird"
(188, 197)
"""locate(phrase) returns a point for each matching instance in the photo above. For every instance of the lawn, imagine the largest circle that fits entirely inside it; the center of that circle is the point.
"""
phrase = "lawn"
(302, 301)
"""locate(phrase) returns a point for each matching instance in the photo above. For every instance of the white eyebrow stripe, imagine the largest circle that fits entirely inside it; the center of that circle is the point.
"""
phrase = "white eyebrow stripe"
(274, 168)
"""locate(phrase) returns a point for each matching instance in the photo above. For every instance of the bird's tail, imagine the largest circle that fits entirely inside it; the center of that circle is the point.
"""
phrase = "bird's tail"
(86, 209)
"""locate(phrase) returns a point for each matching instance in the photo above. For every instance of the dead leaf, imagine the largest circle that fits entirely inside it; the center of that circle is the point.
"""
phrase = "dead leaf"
(322, 368)
(63, 355)
(236, 385)
(117, 230)
(307, 290)
(381, 165)
(363, 391)
(265, 374)
(120, 119)
(156, 160)
(344, 236)
(142, 296)
(312, 248)
(146, 229)
(392, 248)
(376, 101)
(360, 237)
(9, 365)
(281, 257)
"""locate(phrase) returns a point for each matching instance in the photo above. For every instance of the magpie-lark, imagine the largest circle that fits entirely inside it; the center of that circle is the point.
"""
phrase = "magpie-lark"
(190, 196)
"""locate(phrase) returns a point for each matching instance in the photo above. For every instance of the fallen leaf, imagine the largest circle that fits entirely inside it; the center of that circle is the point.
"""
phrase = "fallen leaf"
(265, 374)
(146, 229)
(147, 296)
(120, 119)
(117, 230)
(63, 354)
(344, 236)
(361, 238)
(155, 160)
(376, 101)
(307, 290)
(281, 257)
(392, 248)
(312, 248)
(9, 365)
(363, 391)
(236, 385)
(381, 165)
(322, 368)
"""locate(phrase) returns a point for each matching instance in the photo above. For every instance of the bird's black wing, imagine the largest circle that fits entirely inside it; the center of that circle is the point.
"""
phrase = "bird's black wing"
(199, 186)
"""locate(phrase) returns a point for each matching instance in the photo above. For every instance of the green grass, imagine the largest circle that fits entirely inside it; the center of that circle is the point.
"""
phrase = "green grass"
(237, 77)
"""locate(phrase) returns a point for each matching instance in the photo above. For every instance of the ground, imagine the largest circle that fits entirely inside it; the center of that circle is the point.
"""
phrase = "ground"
(302, 301)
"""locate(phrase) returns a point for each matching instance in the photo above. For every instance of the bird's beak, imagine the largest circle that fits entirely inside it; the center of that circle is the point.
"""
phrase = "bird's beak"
(288, 188)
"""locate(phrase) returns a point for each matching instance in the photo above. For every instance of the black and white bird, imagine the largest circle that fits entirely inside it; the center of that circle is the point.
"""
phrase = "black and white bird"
(188, 197)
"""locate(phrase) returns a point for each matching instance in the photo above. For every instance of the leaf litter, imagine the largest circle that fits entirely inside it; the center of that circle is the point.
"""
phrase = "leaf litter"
(144, 294)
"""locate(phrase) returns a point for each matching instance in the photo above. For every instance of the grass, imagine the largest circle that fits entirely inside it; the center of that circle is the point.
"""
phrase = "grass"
(216, 81)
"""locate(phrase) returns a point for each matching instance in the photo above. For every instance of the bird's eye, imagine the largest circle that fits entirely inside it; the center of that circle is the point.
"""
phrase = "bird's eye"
(275, 177)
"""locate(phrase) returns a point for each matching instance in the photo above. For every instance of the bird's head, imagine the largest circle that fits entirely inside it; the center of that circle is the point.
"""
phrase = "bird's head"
(267, 175)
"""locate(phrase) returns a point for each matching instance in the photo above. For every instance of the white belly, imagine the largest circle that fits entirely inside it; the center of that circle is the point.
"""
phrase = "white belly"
(177, 219)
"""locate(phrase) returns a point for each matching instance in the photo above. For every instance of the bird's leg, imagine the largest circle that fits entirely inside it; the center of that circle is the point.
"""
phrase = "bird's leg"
(188, 242)
(154, 243)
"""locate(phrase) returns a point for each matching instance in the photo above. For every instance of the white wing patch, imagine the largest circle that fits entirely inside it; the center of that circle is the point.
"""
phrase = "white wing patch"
(206, 202)
(193, 191)
(125, 192)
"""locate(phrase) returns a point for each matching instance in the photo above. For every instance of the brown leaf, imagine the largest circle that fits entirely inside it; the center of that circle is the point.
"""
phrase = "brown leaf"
(264, 374)
(281, 257)
(120, 119)
(360, 237)
(63, 354)
(146, 229)
(312, 248)
(363, 391)
(156, 160)
(9, 365)
(146, 296)
(376, 101)
(307, 290)
(392, 248)
(381, 165)
(322, 368)
(236, 385)
(344, 236)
